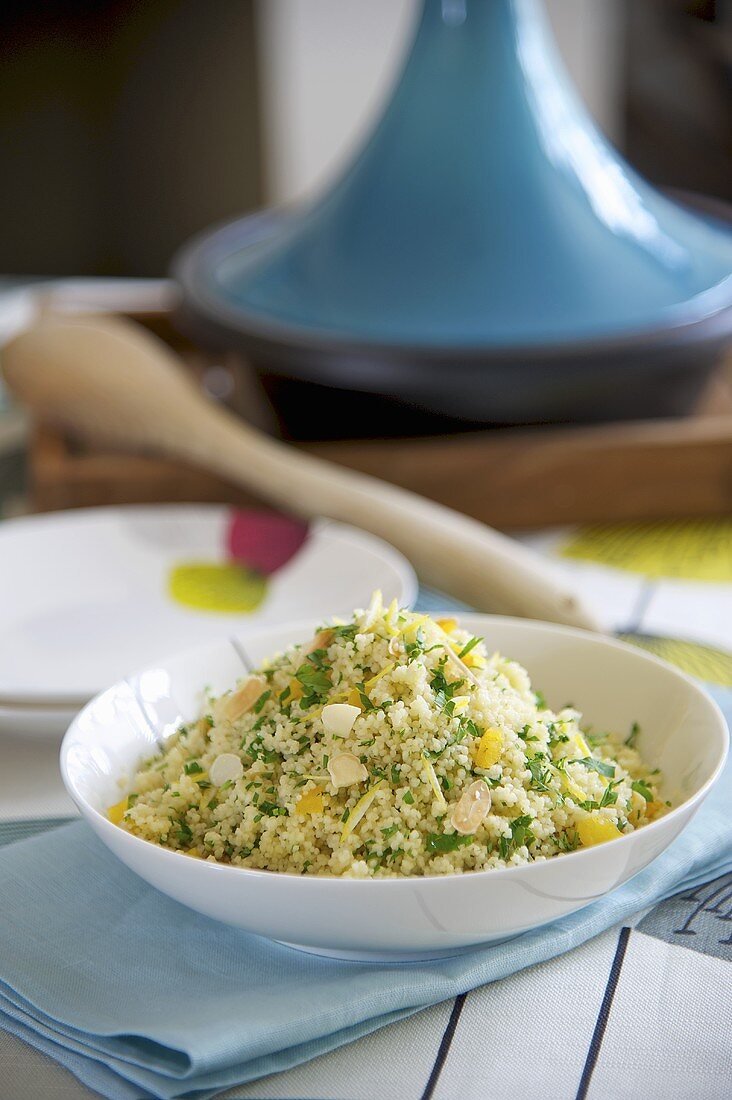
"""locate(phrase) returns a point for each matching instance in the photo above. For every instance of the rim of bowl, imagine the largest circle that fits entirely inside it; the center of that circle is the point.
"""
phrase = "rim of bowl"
(410, 880)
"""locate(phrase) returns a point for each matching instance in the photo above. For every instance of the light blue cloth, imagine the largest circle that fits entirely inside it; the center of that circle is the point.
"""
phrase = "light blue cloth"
(138, 996)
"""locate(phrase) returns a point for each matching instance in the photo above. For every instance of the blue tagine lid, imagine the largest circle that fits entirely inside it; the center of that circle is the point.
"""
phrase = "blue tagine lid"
(486, 217)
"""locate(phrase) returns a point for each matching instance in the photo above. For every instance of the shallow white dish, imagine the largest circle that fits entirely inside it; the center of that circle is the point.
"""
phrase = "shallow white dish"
(86, 595)
(614, 685)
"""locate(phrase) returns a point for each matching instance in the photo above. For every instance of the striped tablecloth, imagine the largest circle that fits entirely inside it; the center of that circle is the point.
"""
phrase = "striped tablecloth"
(642, 1011)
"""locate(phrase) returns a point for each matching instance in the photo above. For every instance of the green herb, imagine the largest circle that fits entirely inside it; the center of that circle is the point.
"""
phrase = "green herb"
(184, 834)
(203, 784)
(416, 648)
(468, 646)
(540, 774)
(408, 798)
(594, 739)
(271, 809)
(192, 768)
(315, 681)
(567, 842)
(540, 700)
(395, 774)
(609, 795)
(389, 831)
(261, 701)
(598, 766)
(520, 834)
(283, 695)
(225, 786)
(632, 737)
(326, 758)
(642, 789)
(445, 782)
(209, 718)
(344, 815)
(446, 842)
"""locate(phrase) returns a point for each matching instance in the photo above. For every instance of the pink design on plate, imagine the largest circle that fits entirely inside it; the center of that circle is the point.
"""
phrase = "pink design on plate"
(264, 541)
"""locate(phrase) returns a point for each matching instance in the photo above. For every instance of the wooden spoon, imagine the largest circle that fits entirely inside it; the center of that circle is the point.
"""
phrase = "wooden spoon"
(109, 378)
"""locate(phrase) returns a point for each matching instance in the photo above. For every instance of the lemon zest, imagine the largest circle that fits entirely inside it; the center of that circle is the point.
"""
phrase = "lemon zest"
(384, 672)
(359, 810)
(433, 780)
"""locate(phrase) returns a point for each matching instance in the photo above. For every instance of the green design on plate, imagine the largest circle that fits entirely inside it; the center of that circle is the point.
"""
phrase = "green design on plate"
(214, 586)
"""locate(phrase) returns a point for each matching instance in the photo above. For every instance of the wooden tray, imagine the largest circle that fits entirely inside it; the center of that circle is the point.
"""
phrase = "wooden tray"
(510, 478)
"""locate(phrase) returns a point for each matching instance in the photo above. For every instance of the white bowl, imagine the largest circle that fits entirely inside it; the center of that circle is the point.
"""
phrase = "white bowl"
(682, 732)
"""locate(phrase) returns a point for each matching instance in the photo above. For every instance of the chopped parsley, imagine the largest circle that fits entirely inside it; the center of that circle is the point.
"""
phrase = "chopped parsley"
(261, 701)
(389, 830)
(642, 789)
(632, 737)
(520, 834)
(468, 647)
(598, 766)
(540, 774)
(192, 768)
(408, 798)
(446, 842)
(271, 809)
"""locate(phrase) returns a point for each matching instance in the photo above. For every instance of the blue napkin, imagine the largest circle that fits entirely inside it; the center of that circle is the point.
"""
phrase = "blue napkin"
(139, 997)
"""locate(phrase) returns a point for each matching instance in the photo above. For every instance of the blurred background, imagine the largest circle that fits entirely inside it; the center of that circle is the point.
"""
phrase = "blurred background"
(127, 126)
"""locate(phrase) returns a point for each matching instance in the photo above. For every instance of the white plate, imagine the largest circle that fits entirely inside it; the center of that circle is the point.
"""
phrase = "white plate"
(86, 595)
(682, 732)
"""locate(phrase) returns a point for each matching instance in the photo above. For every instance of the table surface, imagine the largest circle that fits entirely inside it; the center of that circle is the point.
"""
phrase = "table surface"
(597, 1021)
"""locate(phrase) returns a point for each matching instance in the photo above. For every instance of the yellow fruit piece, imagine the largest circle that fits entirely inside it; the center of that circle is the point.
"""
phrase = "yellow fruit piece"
(596, 830)
(474, 660)
(653, 807)
(310, 803)
(117, 812)
(488, 750)
(354, 699)
(193, 853)
(296, 691)
(448, 625)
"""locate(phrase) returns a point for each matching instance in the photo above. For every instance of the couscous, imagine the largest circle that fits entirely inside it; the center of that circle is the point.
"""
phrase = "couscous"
(393, 744)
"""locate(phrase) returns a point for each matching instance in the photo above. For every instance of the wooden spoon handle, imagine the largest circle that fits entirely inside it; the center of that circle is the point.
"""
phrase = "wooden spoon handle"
(109, 378)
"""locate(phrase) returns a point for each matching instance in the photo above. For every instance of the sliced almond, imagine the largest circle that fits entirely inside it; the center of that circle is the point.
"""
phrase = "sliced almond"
(231, 707)
(226, 768)
(338, 718)
(345, 770)
(472, 809)
(322, 640)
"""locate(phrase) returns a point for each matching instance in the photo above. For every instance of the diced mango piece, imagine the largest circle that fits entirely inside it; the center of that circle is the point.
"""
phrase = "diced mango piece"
(354, 698)
(474, 660)
(488, 750)
(653, 807)
(117, 812)
(193, 853)
(310, 803)
(296, 691)
(448, 625)
(596, 830)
